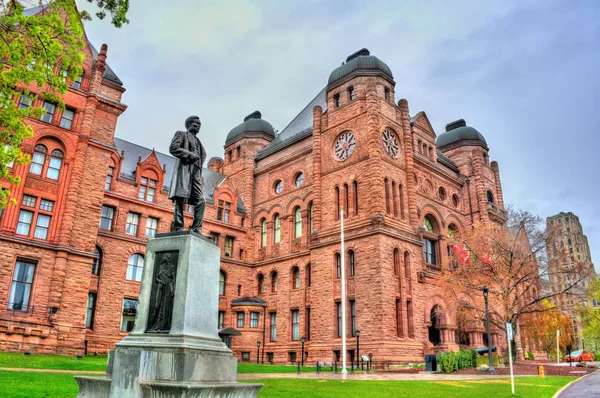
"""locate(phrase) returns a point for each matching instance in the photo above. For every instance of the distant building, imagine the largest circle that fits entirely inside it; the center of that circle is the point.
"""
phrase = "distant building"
(569, 250)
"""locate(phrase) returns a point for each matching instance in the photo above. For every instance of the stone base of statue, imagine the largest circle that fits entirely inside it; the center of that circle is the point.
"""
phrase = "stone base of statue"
(174, 349)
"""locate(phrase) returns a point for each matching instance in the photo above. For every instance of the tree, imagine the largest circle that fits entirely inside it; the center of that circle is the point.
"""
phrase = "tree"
(41, 49)
(541, 327)
(590, 316)
(510, 260)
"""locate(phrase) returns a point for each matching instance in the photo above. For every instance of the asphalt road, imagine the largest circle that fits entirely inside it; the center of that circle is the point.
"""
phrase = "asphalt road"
(588, 386)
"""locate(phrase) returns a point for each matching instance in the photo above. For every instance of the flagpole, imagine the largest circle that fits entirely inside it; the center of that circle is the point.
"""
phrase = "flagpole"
(342, 258)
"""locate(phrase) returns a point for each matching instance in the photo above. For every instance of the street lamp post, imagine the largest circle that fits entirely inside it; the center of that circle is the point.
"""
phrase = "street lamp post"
(257, 352)
(302, 340)
(357, 333)
(489, 335)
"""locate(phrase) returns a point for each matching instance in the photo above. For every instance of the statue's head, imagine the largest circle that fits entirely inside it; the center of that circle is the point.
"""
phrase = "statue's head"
(192, 124)
(166, 258)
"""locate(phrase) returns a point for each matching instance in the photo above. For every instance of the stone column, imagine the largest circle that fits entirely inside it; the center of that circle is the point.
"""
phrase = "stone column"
(318, 194)
(411, 192)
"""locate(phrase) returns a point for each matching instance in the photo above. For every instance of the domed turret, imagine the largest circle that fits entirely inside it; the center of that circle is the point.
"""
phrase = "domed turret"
(459, 134)
(253, 126)
(360, 63)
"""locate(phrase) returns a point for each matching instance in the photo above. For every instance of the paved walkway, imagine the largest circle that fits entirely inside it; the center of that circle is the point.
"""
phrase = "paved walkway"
(369, 376)
(587, 386)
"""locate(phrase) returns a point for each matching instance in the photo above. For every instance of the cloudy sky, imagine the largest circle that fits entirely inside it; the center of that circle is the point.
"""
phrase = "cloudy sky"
(524, 73)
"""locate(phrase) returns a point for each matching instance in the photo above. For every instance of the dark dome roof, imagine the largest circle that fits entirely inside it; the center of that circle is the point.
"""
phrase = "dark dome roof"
(363, 63)
(458, 134)
(253, 126)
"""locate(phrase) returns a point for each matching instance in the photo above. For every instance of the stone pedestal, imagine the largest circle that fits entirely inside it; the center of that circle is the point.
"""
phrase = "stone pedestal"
(184, 357)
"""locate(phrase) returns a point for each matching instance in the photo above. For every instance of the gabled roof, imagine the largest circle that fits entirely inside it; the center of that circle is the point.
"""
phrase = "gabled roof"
(299, 128)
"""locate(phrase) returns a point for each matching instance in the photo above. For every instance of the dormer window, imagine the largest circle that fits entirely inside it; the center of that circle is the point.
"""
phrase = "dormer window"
(336, 100)
(351, 93)
(147, 189)
(223, 211)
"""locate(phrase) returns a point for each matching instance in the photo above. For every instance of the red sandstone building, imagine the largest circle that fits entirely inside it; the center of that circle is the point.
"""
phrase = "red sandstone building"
(72, 249)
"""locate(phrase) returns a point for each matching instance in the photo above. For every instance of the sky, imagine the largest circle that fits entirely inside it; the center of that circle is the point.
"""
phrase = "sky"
(524, 73)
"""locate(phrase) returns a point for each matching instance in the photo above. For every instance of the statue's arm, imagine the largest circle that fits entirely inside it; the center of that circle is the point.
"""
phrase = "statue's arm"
(176, 148)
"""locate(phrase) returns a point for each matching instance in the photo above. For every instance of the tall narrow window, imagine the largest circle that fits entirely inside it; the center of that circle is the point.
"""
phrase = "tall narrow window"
(387, 195)
(25, 221)
(338, 307)
(228, 248)
(109, 178)
(407, 265)
(133, 220)
(97, 264)
(308, 269)
(298, 222)
(254, 319)
(351, 93)
(274, 282)
(66, 120)
(106, 218)
(409, 315)
(394, 199)
(277, 234)
(399, 323)
(346, 199)
(151, 227)
(295, 325)
(128, 317)
(353, 317)
(351, 261)
(307, 323)
(223, 211)
(273, 331)
(296, 277)
(338, 265)
(401, 199)
(222, 279)
(336, 100)
(20, 290)
(263, 233)
(147, 189)
(49, 115)
(386, 93)
(396, 262)
(355, 186)
(38, 159)
(337, 203)
(429, 244)
(490, 197)
(90, 309)
(311, 217)
(261, 284)
(56, 158)
(135, 266)
(221, 321)
(42, 225)
(240, 319)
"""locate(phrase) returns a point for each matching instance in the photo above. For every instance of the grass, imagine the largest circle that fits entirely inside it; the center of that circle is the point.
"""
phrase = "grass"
(60, 362)
(54, 385)
(524, 387)
(244, 367)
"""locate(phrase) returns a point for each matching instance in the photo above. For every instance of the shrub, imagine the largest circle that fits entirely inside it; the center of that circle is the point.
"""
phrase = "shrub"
(530, 356)
(452, 361)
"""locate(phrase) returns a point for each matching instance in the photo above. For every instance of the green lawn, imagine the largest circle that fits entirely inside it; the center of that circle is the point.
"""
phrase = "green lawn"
(244, 367)
(34, 385)
(33, 361)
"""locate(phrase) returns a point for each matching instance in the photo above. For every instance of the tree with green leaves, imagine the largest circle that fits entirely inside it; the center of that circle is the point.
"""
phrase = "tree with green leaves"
(41, 48)
(590, 316)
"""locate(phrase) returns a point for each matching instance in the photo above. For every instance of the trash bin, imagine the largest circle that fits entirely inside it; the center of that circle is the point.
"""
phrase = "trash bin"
(430, 363)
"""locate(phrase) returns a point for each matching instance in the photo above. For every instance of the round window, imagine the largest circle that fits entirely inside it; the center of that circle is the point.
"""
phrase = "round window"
(345, 145)
(442, 193)
(299, 179)
(278, 187)
(390, 143)
(455, 200)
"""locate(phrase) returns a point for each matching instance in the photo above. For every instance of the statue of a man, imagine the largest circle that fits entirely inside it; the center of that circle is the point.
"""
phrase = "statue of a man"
(186, 183)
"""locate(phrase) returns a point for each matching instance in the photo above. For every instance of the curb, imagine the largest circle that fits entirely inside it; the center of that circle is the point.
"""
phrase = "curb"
(557, 395)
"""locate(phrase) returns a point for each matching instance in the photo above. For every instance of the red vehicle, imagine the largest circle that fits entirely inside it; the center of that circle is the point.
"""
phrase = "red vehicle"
(580, 356)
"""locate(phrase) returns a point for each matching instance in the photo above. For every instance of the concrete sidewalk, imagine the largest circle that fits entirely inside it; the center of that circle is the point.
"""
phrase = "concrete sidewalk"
(587, 386)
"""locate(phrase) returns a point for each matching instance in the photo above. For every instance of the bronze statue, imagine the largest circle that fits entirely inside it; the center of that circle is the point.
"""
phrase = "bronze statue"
(164, 290)
(186, 183)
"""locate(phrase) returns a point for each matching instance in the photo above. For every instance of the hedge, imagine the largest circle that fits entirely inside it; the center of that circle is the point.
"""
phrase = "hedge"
(452, 361)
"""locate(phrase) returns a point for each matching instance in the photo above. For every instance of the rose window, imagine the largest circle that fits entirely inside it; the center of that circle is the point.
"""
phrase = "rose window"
(390, 143)
(345, 145)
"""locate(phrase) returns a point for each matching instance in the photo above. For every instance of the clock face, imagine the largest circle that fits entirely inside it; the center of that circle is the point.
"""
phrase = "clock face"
(390, 143)
(344, 146)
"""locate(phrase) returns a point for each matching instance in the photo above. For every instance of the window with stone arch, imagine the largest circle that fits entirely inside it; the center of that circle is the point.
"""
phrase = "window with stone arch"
(276, 228)
(338, 265)
(311, 217)
(148, 186)
(351, 264)
(47, 159)
(38, 159)
(97, 264)
(407, 264)
(355, 190)
(337, 203)
(224, 206)
(261, 283)
(110, 174)
(222, 282)
(396, 262)
(263, 232)
(430, 240)
(274, 282)
(135, 267)
(297, 222)
(55, 164)
(295, 278)
(308, 276)
(490, 196)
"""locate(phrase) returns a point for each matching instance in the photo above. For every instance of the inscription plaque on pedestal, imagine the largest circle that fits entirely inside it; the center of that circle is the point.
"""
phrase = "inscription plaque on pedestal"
(162, 292)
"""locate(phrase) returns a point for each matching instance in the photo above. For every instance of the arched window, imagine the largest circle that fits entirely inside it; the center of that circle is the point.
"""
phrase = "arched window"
(277, 234)
(97, 264)
(222, 281)
(311, 217)
(429, 242)
(355, 186)
(298, 222)
(135, 266)
(395, 198)
(387, 195)
(261, 284)
(38, 159)
(308, 269)
(490, 197)
(274, 282)
(351, 262)
(396, 262)
(263, 232)
(337, 203)
(427, 225)
(401, 199)
(346, 199)
(407, 264)
(295, 278)
(338, 265)
(56, 158)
